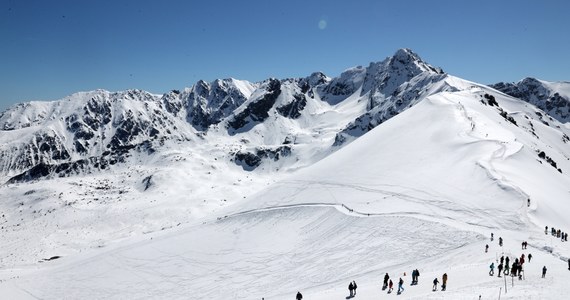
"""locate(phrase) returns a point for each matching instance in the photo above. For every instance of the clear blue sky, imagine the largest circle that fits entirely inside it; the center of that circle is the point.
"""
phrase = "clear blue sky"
(49, 49)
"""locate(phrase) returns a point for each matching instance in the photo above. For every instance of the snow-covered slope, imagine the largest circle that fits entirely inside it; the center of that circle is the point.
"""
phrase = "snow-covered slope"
(552, 97)
(423, 189)
(92, 131)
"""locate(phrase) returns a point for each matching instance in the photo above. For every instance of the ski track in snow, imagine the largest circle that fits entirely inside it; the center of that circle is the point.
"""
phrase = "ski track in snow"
(503, 152)
(311, 235)
(311, 246)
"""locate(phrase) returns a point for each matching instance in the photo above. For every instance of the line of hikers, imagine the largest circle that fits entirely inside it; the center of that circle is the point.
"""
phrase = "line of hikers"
(563, 236)
(388, 284)
(515, 270)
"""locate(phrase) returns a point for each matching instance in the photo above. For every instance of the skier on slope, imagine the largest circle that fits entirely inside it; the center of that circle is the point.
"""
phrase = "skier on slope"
(444, 282)
(299, 296)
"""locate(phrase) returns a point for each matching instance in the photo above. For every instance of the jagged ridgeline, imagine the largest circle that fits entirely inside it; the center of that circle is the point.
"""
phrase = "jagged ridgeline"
(264, 124)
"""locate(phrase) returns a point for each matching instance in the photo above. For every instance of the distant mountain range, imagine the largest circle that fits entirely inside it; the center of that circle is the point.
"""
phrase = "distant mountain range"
(268, 123)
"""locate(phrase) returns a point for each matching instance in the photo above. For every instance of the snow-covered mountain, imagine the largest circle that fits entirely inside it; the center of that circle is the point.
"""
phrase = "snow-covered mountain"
(238, 190)
(92, 131)
(552, 97)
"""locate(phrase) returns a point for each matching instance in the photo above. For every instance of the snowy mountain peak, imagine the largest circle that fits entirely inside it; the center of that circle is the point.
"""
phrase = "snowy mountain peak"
(407, 58)
(148, 196)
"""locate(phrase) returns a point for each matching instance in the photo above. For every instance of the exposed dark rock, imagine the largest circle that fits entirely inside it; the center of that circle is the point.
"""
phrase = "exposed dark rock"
(249, 161)
(293, 109)
(256, 111)
(147, 182)
(535, 92)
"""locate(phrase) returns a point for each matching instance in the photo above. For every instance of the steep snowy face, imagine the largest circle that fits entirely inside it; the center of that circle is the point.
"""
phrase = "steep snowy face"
(262, 123)
(209, 103)
(552, 97)
(83, 132)
(390, 87)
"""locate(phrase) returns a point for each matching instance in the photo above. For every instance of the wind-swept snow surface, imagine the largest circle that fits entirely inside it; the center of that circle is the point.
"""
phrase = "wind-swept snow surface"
(423, 190)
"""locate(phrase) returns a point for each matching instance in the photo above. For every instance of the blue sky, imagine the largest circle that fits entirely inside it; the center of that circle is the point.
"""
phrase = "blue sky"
(50, 49)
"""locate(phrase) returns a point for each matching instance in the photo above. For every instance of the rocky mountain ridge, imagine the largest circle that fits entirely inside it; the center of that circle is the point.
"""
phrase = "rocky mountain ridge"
(262, 123)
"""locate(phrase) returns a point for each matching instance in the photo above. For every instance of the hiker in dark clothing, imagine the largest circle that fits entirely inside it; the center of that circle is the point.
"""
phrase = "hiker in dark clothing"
(351, 289)
(415, 275)
(502, 259)
(500, 241)
(444, 282)
(386, 277)
(543, 271)
(354, 286)
(569, 264)
(299, 296)
(435, 282)
(546, 230)
(529, 257)
(486, 248)
(390, 286)
(500, 268)
(400, 286)
(507, 268)
(514, 269)
(492, 269)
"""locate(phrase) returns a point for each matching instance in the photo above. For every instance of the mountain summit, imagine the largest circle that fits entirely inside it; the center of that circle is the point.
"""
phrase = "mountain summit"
(238, 190)
(93, 131)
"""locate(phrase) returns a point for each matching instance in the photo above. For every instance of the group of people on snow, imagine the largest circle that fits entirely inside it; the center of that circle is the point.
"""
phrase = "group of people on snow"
(352, 288)
(515, 270)
(563, 236)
